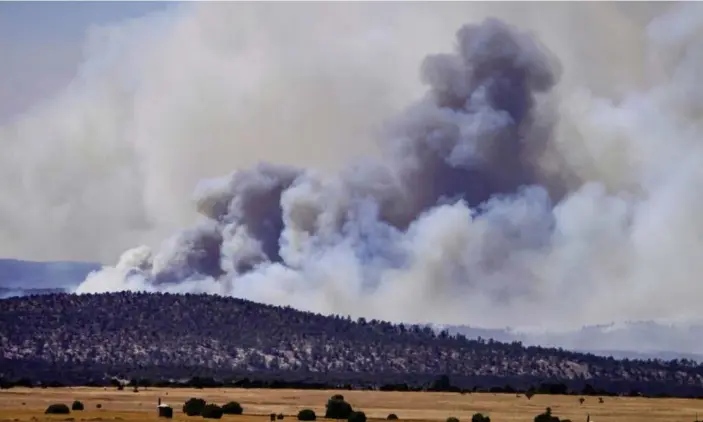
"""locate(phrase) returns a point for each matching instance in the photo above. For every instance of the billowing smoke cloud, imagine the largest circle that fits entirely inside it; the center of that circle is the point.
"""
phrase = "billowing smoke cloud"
(527, 187)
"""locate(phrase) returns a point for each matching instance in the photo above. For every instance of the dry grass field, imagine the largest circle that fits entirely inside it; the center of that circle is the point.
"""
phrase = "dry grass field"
(20, 404)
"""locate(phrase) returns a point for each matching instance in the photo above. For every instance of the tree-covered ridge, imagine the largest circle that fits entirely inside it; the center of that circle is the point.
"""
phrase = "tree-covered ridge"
(131, 332)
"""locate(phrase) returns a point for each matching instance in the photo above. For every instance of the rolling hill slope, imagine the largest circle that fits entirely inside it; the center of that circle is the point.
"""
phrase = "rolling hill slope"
(82, 337)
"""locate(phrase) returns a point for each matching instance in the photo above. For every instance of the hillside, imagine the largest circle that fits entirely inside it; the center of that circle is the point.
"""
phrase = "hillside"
(641, 340)
(75, 338)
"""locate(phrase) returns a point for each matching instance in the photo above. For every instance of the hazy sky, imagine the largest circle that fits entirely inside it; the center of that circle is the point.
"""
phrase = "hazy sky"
(41, 45)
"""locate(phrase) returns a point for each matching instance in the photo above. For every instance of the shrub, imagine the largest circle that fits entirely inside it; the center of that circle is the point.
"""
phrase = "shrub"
(194, 406)
(479, 417)
(452, 419)
(272, 417)
(307, 415)
(357, 417)
(77, 405)
(280, 416)
(337, 408)
(392, 417)
(529, 395)
(98, 406)
(581, 400)
(232, 408)
(57, 409)
(546, 416)
(211, 411)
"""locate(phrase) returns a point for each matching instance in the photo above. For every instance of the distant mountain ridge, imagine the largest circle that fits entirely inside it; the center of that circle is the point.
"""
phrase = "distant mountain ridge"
(632, 340)
(21, 278)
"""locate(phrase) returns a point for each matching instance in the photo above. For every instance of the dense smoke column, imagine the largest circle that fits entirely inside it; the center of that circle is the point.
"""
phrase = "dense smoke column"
(465, 141)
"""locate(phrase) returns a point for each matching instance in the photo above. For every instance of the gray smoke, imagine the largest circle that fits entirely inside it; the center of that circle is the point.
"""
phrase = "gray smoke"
(465, 147)
(520, 190)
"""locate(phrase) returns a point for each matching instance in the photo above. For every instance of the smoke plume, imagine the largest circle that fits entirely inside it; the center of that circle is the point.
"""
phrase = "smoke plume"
(533, 179)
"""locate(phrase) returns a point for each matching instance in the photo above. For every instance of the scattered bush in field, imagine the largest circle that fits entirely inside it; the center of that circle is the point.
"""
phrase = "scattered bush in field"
(57, 409)
(232, 408)
(581, 400)
(529, 394)
(280, 416)
(546, 416)
(392, 417)
(77, 405)
(357, 417)
(120, 387)
(306, 415)
(98, 406)
(600, 399)
(337, 408)
(272, 417)
(480, 417)
(194, 406)
(211, 411)
(452, 419)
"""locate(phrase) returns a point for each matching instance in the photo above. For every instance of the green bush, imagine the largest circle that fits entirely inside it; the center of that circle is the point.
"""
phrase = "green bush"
(392, 417)
(232, 408)
(57, 409)
(98, 406)
(479, 417)
(546, 416)
(452, 419)
(194, 406)
(307, 415)
(211, 411)
(357, 417)
(280, 416)
(337, 408)
(77, 405)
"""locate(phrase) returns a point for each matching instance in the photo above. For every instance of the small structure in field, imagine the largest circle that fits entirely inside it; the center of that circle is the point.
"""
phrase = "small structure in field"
(165, 411)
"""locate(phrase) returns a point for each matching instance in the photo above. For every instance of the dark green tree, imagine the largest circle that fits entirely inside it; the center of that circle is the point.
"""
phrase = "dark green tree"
(194, 406)
(57, 409)
(307, 415)
(338, 408)
(211, 411)
(232, 408)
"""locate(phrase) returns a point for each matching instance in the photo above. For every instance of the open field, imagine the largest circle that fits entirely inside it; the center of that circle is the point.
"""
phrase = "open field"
(19, 404)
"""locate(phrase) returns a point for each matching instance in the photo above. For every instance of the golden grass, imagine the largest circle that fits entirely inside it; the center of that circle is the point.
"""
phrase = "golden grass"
(21, 405)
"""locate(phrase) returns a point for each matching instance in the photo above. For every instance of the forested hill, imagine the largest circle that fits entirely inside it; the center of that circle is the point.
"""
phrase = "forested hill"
(75, 338)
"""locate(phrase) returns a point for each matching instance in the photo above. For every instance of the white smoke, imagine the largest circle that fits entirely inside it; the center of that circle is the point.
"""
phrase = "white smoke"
(607, 231)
